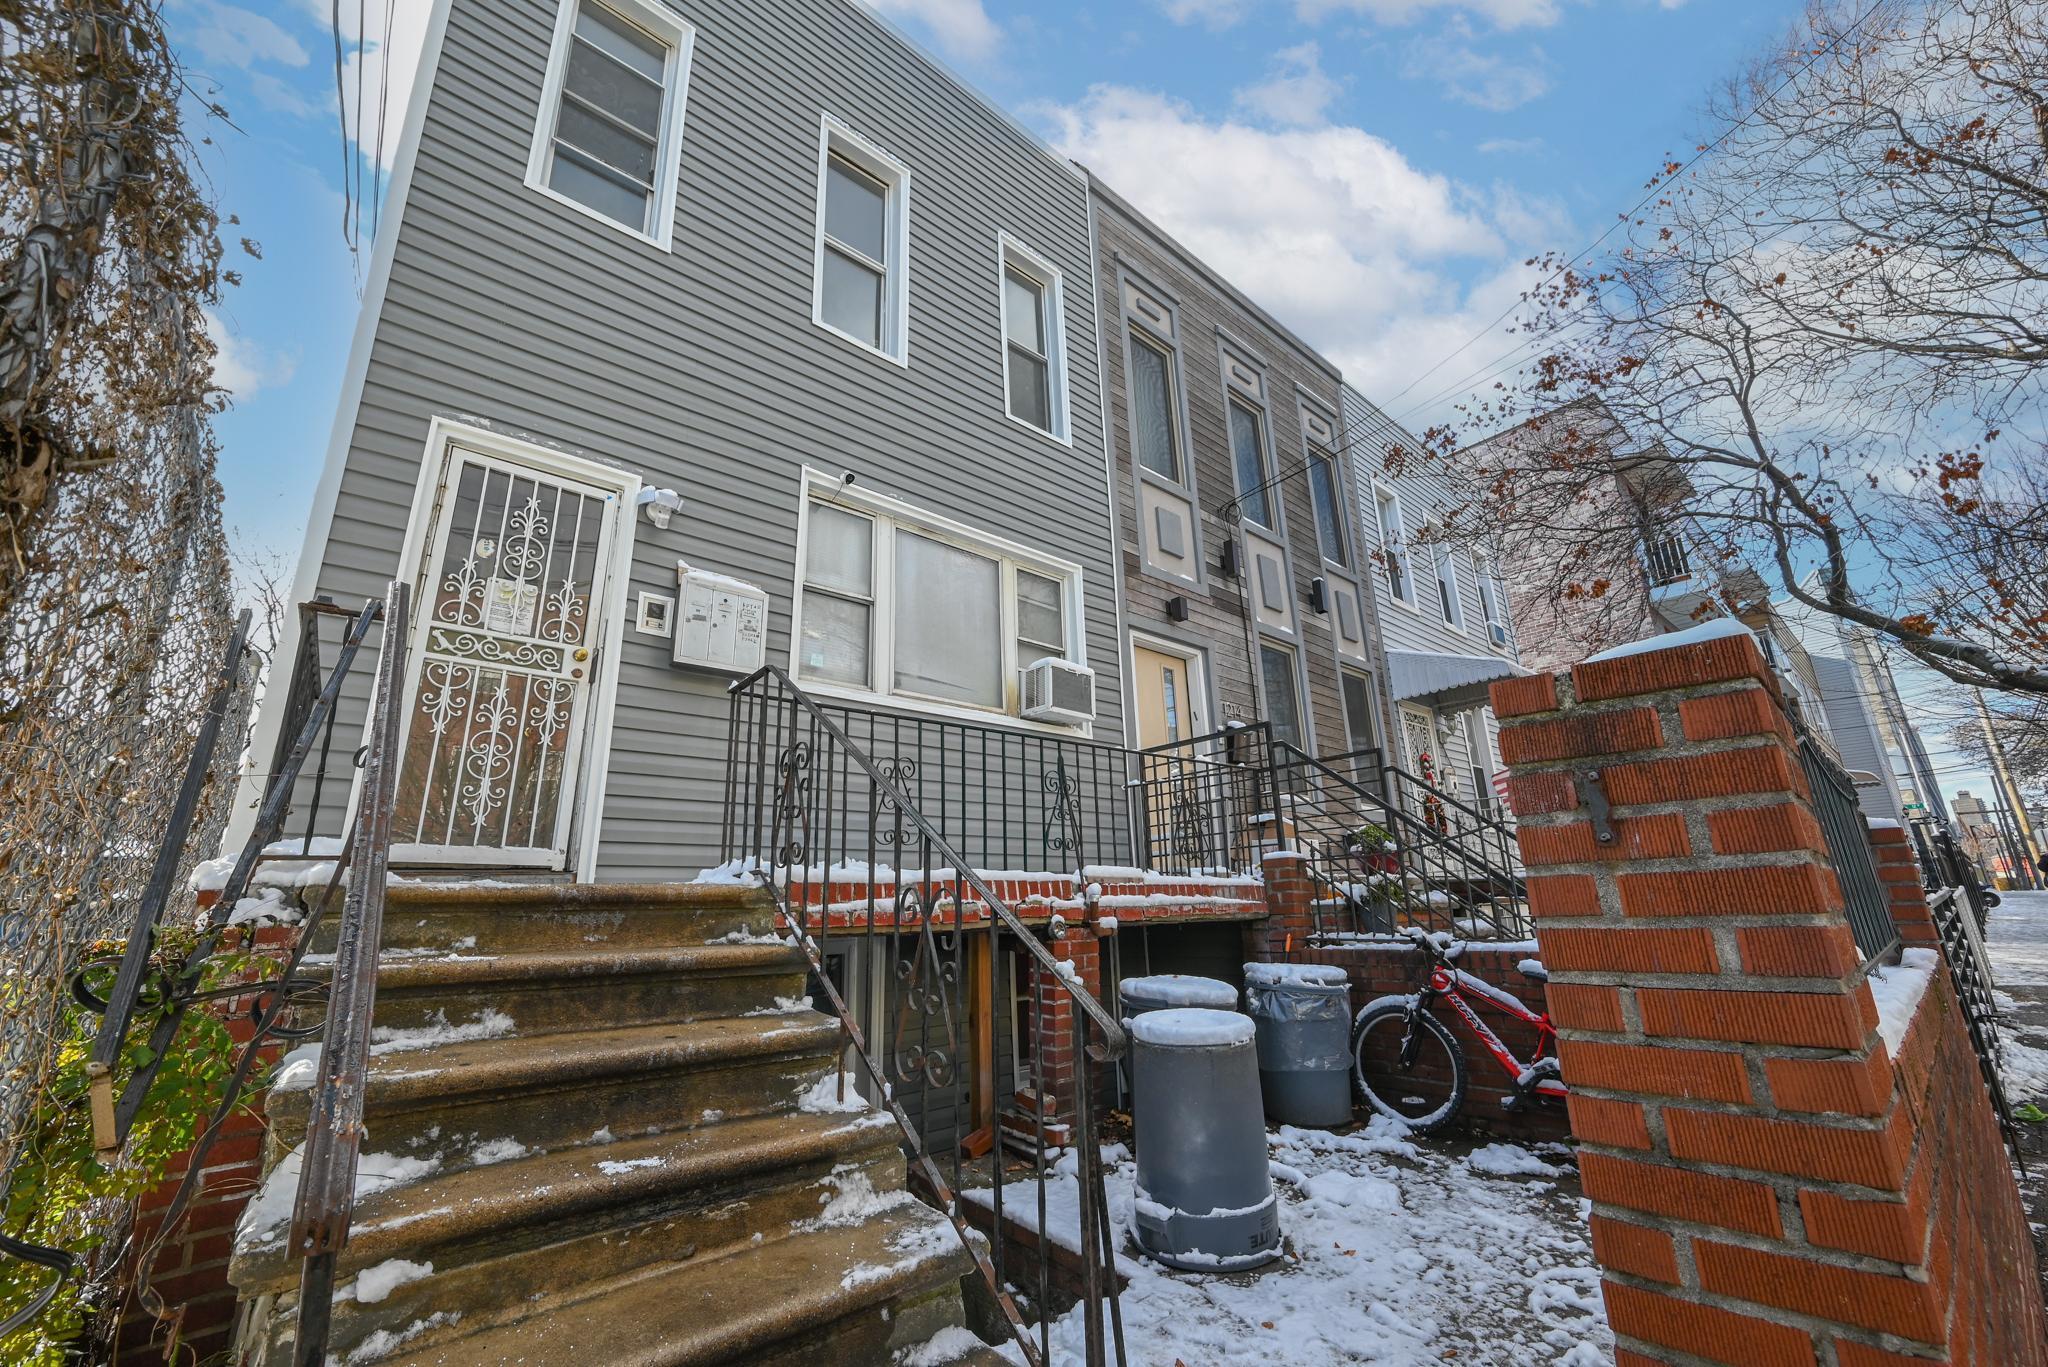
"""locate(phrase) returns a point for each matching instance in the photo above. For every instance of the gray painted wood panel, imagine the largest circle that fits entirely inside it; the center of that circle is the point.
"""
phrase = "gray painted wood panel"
(701, 369)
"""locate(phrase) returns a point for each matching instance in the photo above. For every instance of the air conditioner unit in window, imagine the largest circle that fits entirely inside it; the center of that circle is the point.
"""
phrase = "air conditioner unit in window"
(1497, 633)
(1058, 692)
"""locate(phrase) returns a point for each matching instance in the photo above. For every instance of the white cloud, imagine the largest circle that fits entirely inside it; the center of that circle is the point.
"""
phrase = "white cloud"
(376, 59)
(1517, 147)
(281, 97)
(1299, 92)
(242, 367)
(1483, 79)
(1216, 14)
(1331, 228)
(962, 27)
(1501, 13)
(230, 36)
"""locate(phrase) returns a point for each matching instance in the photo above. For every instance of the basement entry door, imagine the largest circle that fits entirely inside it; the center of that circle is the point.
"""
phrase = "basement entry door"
(502, 663)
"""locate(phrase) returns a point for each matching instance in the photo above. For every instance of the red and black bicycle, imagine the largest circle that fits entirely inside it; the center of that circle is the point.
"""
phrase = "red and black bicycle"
(1407, 1064)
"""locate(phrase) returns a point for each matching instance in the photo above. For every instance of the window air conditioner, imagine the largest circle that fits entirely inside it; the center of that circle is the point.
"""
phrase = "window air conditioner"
(1497, 633)
(1058, 692)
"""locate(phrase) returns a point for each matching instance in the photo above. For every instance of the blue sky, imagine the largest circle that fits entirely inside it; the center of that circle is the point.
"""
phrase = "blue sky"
(1374, 171)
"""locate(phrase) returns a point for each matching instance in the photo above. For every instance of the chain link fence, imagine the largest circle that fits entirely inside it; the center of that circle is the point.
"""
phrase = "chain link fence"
(106, 661)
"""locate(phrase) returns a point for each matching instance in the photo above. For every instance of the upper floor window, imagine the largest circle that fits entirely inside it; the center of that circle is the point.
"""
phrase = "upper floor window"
(1323, 483)
(1248, 459)
(1155, 407)
(611, 124)
(1394, 545)
(1668, 560)
(897, 604)
(1447, 586)
(1034, 355)
(863, 243)
(1490, 601)
(1277, 683)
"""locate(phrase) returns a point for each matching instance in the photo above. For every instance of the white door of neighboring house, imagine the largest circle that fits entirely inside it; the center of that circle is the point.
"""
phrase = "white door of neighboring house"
(1422, 752)
(514, 563)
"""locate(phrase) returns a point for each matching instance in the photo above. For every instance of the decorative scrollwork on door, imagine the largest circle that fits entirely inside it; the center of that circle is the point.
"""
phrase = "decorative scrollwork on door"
(928, 979)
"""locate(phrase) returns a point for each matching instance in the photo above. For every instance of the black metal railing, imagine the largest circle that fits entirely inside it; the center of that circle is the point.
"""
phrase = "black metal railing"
(132, 985)
(1206, 805)
(825, 824)
(1418, 857)
(1840, 813)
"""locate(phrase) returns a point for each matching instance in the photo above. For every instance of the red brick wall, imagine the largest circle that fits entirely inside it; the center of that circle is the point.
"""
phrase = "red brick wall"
(1770, 1185)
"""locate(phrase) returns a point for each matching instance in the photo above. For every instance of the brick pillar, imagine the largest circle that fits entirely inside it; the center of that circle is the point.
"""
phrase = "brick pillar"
(1900, 870)
(1077, 946)
(1759, 1180)
(1290, 909)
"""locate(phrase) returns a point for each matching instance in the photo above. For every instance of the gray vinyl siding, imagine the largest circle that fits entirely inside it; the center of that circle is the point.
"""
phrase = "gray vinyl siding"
(1210, 312)
(701, 368)
(1853, 729)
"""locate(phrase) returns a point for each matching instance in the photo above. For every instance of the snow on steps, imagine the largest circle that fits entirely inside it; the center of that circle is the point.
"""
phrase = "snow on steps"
(662, 1169)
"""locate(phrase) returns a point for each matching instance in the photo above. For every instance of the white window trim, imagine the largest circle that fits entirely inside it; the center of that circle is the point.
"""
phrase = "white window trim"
(664, 24)
(821, 487)
(1443, 565)
(1399, 551)
(1492, 603)
(1014, 255)
(835, 136)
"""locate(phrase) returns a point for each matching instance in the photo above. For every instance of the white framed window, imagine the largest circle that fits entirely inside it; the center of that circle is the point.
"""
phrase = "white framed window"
(1033, 311)
(1394, 545)
(1447, 600)
(861, 284)
(610, 136)
(1490, 602)
(1250, 462)
(1155, 405)
(893, 602)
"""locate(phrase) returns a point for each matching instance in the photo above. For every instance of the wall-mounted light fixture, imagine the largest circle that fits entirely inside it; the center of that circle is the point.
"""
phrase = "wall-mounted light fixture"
(1319, 595)
(1230, 562)
(1177, 608)
(661, 505)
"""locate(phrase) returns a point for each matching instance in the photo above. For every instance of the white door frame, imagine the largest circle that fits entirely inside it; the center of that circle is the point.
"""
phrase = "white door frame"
(594, 764)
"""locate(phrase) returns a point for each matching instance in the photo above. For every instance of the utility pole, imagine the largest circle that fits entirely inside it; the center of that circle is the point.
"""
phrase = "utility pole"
(2013, 799)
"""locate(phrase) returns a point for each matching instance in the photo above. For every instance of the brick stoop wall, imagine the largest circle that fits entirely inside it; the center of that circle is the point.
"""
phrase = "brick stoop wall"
(1382, 969)
(1771, 1185)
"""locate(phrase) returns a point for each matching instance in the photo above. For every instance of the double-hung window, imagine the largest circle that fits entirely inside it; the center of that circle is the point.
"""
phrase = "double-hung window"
(1489, 601)
(1248, 458)
(1359, 712)
(1394, 546)
(611, 123)
(1447, 586)
(1155, 407)
(1277, 680)
(1034, 354)
(863, 245)
(898, 605)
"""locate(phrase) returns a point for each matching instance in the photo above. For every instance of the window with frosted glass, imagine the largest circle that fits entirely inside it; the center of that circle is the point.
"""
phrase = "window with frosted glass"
(1282, 697)
(835, 638)
(605, 150)
(948, 622)
(1248, 457)
(1154, 422)
(854, 280)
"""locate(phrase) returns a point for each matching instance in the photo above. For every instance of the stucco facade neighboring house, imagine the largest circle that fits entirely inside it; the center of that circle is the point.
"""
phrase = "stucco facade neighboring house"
(764, 293)
(1241, 559)
(1443, 608)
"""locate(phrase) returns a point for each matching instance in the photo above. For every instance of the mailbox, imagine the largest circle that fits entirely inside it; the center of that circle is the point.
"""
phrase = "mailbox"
(721, 622)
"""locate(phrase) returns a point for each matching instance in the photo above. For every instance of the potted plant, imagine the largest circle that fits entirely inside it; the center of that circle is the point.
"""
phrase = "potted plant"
(1373, 846)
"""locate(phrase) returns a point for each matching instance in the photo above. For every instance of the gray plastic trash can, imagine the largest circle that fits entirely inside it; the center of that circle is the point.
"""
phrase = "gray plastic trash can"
(1166, 991)
(1205, 1193)
(1303, 1013)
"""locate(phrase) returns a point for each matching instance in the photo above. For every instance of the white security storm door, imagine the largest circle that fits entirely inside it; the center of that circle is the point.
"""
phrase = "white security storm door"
(1422, 751)
(504, 652)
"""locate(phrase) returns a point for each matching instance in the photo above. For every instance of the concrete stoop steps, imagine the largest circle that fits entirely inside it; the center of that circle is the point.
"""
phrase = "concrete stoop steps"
(593, 1095)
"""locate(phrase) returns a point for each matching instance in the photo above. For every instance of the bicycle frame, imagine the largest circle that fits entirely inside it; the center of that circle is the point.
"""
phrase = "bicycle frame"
(1450, 982)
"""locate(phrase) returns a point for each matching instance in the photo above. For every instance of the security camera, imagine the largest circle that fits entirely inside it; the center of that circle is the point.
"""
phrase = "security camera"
(846, 479)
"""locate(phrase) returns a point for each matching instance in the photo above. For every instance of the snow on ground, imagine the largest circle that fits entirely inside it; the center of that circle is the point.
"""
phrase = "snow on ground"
(1399, 1253)
(2018, 939)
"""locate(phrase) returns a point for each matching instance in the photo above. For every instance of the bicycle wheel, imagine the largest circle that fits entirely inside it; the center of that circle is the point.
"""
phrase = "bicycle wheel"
(1406, 1064)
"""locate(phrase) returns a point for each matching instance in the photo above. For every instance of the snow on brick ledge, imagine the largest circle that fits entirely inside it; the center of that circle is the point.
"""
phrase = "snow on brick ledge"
(1718, 629)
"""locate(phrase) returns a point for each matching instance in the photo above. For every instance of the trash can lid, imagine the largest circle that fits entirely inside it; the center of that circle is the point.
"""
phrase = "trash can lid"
(1179, 989)
(1193, 1028)
(1295, 975)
